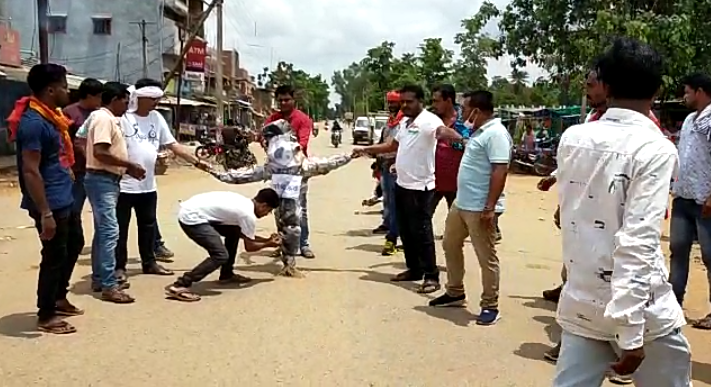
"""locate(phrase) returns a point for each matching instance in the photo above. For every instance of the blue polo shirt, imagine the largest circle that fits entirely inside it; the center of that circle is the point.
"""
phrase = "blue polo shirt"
(490, 144)
(37, 134)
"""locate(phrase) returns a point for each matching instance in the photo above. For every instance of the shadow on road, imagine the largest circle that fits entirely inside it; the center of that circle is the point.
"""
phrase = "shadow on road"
(701, 372)
(536, 303)
(551, 328)
(213, 288)
(532, 351)
(367, 247)
(460, 316)
(20, 325)
(365, 232)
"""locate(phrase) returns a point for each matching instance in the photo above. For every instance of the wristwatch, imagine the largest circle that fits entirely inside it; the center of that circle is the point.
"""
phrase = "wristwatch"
(487, 209)
(47, 215)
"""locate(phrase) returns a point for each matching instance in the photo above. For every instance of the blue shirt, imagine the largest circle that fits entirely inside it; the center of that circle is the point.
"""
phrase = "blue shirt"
(460, 128)
(37, 134)
(490, 144)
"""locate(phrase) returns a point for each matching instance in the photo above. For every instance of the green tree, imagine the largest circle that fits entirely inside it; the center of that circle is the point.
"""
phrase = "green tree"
(565, 36)
(435, 62)
(475, 48)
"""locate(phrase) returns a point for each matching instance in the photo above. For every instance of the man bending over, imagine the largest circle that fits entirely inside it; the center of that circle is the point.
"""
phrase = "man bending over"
(207, 217)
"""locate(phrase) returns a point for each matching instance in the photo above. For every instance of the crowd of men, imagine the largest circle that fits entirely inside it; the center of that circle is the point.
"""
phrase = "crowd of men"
(619, 307)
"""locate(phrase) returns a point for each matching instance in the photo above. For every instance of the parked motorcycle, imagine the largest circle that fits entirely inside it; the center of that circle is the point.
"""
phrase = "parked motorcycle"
(541, 161)
(209, 148)
(336, 137)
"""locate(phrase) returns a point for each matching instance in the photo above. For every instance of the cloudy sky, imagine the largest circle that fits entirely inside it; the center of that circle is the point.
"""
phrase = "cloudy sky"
(321, 36)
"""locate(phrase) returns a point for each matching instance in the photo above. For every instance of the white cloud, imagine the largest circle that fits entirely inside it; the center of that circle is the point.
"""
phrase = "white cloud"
(321, 36)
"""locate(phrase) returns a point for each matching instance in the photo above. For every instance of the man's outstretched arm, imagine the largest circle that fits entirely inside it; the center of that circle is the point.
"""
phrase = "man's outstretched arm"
(242, 175)
(322, 165)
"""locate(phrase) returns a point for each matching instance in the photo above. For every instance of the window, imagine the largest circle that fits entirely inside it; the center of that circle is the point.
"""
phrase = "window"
(57, 24)
(102, 25)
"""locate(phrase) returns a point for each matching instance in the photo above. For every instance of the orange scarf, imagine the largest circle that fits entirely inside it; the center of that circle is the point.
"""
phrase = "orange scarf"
(395, 119)
(55, 117)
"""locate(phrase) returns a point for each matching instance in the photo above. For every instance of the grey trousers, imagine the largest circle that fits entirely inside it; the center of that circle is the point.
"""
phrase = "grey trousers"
(288, 219)
(585, 362)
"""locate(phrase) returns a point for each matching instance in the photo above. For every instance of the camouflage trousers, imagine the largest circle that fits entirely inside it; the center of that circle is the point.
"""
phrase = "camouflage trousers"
(288, 219)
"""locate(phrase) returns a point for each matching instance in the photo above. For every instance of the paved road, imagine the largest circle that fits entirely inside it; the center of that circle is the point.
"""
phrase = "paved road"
(345, 324)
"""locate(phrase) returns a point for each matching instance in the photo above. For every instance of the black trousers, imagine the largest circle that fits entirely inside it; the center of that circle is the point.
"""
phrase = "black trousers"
(144, 204)
(438, 196)
(221, 255)
(59, 256)
(414, 220)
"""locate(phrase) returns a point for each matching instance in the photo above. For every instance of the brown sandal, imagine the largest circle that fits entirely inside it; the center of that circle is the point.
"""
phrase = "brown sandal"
(65, 308)
(181, 294)
(116, 296)
(703, 323)
(56, 326)
(429, 286)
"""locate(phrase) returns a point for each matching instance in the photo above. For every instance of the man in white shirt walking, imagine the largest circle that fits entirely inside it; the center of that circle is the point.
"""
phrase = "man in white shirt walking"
(144, 130)
(415, 144)
(617, 309)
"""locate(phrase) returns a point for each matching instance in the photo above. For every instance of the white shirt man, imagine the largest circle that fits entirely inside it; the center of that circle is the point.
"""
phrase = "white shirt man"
(144, 136)
(415, 160)
(145, 131)
(614, 188)
(206, 218)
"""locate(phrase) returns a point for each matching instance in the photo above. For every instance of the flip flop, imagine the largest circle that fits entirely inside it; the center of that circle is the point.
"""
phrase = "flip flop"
(68, 311)
(57, 327)
(429, 286)
(181, 294)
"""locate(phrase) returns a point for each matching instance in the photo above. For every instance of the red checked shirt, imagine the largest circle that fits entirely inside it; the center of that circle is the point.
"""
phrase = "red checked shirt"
(300, 122)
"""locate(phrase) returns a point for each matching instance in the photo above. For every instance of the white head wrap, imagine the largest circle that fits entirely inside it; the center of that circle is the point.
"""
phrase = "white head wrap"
(143, 92)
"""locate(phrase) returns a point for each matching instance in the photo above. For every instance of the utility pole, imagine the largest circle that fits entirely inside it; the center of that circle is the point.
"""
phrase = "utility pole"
(220, 70)
(42, 7)
(144, 43)
(193, 33)
(118, 62)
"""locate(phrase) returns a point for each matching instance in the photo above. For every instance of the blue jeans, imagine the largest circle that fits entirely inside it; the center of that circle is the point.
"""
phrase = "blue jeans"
(303, 203)
(387, 180)
(584, 362)
(687, 225)
(102, 190)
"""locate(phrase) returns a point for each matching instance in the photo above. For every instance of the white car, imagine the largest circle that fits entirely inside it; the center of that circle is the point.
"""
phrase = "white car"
(363, 130)
(380, 123)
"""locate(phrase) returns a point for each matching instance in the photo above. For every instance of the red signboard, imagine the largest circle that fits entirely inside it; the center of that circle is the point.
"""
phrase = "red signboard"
(195, 58)
(9, 47)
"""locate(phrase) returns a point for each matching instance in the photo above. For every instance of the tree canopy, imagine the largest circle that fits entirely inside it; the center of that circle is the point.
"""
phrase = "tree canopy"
(563, 37)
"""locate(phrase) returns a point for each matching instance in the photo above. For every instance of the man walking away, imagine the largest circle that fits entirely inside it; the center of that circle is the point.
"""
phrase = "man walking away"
(386, 163)
(45, 156)
(144, 130)
(89, 100)
(415, 145)
(106, 161)
(480, 195)
(617, 309)
(691, 207)
(302, 126)
(206, 218)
